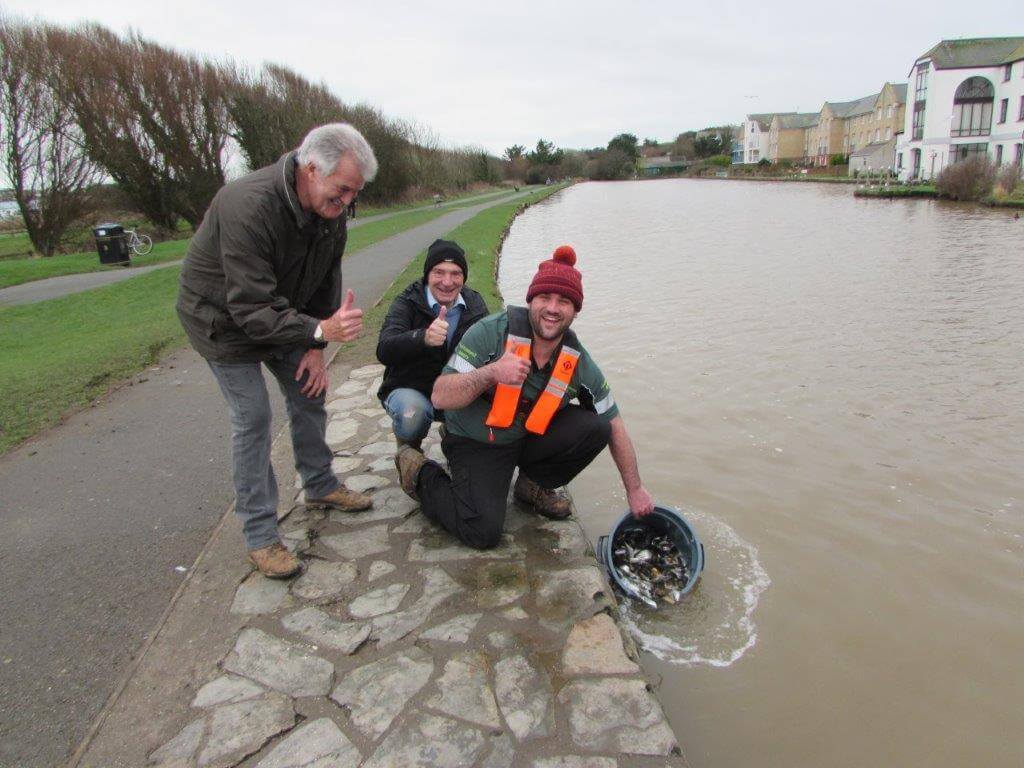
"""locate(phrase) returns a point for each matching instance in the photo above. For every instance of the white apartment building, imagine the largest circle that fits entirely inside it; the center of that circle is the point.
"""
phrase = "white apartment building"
(755, 136)
(965, 98)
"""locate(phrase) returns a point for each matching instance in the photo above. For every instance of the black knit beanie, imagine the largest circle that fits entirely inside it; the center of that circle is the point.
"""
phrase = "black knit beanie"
(445, 250)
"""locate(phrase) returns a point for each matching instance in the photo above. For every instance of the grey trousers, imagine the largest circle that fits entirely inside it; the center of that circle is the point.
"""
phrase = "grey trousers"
(251, 435)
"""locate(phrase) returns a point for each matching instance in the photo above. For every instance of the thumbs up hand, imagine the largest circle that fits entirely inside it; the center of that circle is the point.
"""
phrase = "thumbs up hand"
(347, 323)
(437, 332)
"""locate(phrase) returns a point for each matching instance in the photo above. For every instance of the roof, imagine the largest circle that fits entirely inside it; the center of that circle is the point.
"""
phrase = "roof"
(975, 52)
(861, 106)
(869, 149)
(900, 90)
(798, 120)
(764, 119)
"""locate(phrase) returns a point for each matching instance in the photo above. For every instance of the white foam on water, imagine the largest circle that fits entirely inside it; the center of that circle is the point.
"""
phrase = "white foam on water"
(714, 625)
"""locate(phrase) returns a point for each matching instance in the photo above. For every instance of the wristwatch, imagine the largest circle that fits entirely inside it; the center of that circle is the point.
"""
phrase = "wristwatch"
(318, 334)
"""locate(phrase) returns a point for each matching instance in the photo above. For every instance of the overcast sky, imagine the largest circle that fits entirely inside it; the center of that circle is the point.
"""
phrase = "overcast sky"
(576, 73)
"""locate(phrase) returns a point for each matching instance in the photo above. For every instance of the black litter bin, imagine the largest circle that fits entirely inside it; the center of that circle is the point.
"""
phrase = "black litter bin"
(112, 244)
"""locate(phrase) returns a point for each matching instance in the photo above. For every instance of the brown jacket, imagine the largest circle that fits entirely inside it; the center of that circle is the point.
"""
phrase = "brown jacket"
(260, 272)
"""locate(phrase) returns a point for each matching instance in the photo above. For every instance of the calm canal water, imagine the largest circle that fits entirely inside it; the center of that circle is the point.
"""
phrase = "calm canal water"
(831, 388)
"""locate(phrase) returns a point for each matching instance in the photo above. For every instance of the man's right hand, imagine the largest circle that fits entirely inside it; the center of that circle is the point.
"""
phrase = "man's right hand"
(437, 331)
(346, 324)
(511, 369)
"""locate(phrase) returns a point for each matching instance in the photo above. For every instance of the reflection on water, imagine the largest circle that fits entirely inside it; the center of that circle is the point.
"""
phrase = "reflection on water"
(833, 386)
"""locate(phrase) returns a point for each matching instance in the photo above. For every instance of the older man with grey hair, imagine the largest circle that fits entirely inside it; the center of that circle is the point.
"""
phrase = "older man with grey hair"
(261, 286)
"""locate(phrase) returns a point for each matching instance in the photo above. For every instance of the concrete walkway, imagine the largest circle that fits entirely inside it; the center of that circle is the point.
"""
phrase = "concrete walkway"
(396, 647)
(101, 517)
(64, 285)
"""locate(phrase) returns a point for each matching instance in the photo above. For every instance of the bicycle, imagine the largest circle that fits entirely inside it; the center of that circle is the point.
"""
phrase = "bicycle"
(140, 244)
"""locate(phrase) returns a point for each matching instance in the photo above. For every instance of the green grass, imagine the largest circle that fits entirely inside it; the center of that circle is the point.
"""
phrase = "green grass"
(60, 354)
(373, 210)
(915, 190)
(15, 245)
(17, 271)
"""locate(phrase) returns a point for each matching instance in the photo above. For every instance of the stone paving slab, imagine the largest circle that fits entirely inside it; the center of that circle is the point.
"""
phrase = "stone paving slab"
(398, 646)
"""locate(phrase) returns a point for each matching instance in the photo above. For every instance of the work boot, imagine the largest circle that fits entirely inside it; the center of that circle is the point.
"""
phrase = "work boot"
(344, 500)
(415, 444)
(550, 504)
(274, 561)
(409, 462)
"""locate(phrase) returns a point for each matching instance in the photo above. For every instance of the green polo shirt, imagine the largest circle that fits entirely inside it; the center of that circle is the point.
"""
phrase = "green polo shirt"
(484, 343)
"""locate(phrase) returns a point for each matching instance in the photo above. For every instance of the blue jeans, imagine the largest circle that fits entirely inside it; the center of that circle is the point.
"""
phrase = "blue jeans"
(410, 412)
(249, 407)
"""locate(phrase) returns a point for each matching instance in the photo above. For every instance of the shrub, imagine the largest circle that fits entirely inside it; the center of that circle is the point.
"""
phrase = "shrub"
(969, 179)
(724, 161)
(1006, 181)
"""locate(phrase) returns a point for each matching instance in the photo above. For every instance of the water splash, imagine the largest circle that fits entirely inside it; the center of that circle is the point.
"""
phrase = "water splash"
(715, 624)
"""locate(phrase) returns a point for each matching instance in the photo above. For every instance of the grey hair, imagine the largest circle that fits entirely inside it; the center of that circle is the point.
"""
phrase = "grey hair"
(325, 144)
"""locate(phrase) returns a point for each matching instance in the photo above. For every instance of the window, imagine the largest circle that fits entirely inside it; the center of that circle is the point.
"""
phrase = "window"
(921, 83)
(1021, 115)
(920, 97)
(899, 161)
(1004, 105)
(888, 134)
(967, 151)
(878, 114)
(972, 108)
(918, 127)
(1018, 154)
(878, 134)
(1007, 72)
(888, 112)
(999, 154)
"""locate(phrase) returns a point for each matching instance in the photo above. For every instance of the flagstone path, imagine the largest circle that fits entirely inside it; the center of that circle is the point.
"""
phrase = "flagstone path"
(399, 647)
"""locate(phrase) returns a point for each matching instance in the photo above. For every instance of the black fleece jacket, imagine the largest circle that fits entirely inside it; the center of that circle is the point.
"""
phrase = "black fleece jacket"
(401, 347)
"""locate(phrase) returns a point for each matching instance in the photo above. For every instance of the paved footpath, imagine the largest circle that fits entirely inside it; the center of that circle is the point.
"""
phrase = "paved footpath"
(64, 285)
(101, 517)
(396, 647)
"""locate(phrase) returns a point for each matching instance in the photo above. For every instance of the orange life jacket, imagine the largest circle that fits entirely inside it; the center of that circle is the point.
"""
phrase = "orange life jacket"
(506, 396)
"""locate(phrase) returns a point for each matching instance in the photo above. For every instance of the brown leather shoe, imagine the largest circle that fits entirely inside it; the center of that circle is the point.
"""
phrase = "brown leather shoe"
(550, 504)
(274, 561)
(409, 462)
(344, 500)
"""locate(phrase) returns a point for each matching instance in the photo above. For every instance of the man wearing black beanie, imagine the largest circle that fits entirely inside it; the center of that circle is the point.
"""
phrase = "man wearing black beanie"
(423, 325)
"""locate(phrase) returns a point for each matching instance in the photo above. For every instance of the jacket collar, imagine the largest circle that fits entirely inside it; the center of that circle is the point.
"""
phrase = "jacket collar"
(285, 181)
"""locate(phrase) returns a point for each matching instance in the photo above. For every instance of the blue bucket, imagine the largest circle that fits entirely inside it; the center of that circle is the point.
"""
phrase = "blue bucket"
(664, 520)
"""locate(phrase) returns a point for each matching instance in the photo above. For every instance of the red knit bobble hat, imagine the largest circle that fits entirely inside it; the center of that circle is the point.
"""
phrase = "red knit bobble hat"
(558, 275)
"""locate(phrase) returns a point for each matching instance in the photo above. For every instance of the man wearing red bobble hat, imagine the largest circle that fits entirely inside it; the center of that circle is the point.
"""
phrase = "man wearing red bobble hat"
(507, 394)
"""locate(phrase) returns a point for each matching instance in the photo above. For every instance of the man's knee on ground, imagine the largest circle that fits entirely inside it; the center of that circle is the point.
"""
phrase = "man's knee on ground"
(482, 534)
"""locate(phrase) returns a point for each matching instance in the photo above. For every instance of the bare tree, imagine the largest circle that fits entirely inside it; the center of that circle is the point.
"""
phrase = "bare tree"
(155, 119)
(272, 111)
(43, 152)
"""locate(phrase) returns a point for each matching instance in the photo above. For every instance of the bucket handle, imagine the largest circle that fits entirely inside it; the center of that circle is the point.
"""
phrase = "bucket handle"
(600, 550)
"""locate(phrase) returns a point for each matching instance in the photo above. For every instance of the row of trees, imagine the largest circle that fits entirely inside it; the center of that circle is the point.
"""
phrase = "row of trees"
(618, 160)
(82, 106)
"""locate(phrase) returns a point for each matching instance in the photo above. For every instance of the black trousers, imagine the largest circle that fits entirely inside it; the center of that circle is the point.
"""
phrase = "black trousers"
(471, 503)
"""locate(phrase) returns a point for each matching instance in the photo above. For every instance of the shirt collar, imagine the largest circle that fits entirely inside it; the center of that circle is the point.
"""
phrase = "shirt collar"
(432, 302)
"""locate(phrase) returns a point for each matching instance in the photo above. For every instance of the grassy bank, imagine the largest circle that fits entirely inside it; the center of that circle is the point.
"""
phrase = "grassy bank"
(918, 190)
(481, 237)
(17, 271)
(58, 355)
(17, 246)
